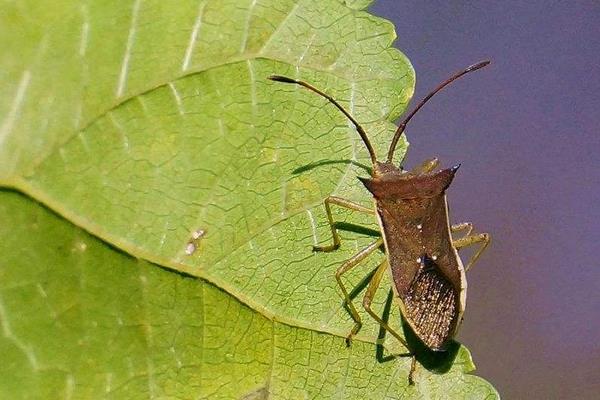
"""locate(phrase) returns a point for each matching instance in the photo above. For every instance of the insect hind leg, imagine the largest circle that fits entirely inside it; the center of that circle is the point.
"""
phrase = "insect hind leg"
(338, 201)
(469, 239)
(368, 299)
(345, 267)
(370, 295)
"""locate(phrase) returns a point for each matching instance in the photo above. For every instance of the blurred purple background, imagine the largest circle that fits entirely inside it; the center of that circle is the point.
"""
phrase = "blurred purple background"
(527, 132)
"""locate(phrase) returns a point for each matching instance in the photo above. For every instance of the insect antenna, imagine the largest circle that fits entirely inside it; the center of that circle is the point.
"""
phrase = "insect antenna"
(360, 130)
(402, 125)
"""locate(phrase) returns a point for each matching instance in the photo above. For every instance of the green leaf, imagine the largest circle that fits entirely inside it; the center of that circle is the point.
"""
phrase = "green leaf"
(82, 320)
(144, 122)
(358, 4)
(165, 124)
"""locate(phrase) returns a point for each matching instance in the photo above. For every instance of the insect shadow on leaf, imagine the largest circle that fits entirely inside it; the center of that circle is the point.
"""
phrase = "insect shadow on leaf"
(313, 165)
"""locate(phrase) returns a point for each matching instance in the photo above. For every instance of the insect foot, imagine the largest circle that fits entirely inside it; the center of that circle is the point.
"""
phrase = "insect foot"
(325, 249)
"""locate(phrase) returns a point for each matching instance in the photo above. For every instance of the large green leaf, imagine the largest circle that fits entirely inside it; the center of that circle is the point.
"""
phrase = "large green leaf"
(144, 126)
(82, 320)
(144, 122)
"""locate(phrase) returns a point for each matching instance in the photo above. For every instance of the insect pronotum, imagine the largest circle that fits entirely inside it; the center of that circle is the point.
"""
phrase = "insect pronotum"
(428, 276)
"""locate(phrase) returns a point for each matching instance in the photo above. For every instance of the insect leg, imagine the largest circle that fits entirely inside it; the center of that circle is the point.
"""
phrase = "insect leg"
(345, 267)
(482, 238)
(342, 203)
(461, 227)
(413, 367)
(426, 166)
(371, 290)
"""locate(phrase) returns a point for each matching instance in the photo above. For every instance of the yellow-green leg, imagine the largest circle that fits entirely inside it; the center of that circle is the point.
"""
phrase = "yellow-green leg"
(425, 167)
(368, 299)
(483, 239)
(463, 226)
(413, 368)
(345, 267)
(370, 294)
(342, 203)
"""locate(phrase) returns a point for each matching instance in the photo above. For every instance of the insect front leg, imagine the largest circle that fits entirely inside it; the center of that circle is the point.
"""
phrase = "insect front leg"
(426, 167)
(342, 203)
(345, 267)
(368, 299)
(483, 239)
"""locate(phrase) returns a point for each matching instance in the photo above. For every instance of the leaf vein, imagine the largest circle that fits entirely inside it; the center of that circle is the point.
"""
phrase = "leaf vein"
(130, 38)
(193, 37)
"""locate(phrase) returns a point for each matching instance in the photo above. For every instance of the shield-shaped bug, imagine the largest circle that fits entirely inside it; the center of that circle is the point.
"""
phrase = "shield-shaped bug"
(428, 276)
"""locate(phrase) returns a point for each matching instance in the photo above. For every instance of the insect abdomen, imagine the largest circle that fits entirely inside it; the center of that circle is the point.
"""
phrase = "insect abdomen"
(431, 307)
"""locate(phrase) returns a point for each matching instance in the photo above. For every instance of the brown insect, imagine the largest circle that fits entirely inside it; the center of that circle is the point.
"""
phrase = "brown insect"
(428, 275)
